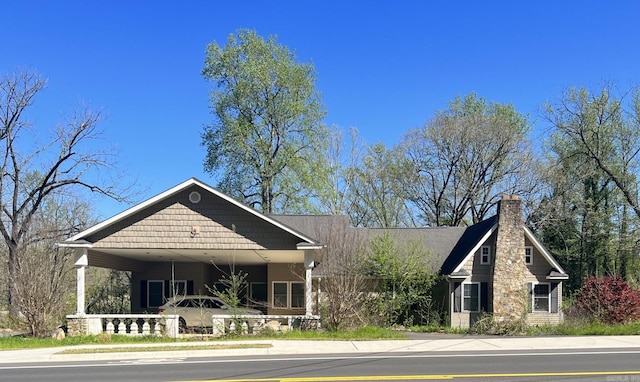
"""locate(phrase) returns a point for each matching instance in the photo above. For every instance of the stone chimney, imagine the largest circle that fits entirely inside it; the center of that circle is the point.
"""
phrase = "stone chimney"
(509, 268)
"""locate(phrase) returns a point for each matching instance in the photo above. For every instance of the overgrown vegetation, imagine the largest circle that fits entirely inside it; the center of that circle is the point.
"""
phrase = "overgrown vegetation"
(580, 328)
(405, 278)
(487, 324)
(108, 291)
(343, 281)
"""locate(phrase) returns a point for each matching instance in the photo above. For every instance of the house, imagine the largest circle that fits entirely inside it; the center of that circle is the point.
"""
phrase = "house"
(187, 238)
(496, 266)
(184, 240)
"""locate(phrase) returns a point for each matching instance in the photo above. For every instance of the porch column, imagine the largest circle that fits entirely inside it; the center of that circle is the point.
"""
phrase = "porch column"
(309, 264)
(82, 261)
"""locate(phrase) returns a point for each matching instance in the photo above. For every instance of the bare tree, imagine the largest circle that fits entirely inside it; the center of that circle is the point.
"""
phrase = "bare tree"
(43, 281)
(377, 197)
(32, 174)
(343, 283)
(465, 158)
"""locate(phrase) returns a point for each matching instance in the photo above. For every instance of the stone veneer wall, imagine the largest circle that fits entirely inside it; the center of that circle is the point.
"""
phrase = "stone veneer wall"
(509, 268)
(77, 327)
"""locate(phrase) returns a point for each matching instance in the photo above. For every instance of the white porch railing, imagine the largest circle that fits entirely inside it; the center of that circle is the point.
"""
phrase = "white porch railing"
(168, 324)
(253, 324)
(125, 324)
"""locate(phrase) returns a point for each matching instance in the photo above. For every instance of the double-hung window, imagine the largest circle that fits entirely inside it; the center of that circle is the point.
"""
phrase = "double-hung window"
(541, 298)
(471, 297)
(485, 255)
(528, 255)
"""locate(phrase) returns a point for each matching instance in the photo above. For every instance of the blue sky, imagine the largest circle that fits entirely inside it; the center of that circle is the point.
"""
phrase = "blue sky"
(383, 67)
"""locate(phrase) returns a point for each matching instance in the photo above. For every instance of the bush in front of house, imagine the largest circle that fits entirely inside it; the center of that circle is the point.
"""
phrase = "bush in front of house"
(609, 300)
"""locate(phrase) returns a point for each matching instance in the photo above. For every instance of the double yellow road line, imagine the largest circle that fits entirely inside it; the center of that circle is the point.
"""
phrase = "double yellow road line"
(432, 377)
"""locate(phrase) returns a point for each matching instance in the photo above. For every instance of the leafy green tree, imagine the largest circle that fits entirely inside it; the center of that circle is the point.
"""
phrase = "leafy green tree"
(593, 169)
(465, 158)
(605, 130)
(405, 275)
(267, 144)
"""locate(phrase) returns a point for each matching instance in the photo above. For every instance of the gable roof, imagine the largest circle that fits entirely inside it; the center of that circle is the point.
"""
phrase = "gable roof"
(475, 235)
(449, 247)
(471, 238)
(80, 239)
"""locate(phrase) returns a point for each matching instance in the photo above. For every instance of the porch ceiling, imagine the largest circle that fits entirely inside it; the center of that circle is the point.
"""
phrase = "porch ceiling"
(240, 257)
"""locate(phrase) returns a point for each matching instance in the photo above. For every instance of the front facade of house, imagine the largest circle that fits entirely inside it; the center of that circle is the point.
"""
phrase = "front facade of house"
(499, 267)
(185, 240)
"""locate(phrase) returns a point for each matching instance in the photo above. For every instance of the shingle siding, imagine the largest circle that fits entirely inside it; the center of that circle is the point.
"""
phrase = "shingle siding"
(170, 224)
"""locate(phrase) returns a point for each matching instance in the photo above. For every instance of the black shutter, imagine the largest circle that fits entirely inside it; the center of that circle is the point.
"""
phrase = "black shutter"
(530, 299)
(143, 293)
(189, 286)
(554, 297)
(457, 297)
(484, 296)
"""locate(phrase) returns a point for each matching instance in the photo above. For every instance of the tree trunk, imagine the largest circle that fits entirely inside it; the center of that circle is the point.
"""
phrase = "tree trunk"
(12, 266)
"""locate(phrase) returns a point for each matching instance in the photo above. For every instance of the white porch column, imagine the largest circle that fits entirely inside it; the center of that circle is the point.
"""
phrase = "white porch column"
(309, 264)
(81, 263)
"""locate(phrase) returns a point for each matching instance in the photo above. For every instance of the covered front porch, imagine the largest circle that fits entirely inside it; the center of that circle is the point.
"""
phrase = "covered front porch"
(187, 239)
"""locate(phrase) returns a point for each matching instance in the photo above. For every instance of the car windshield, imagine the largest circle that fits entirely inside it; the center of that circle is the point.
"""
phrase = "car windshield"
(200, 303)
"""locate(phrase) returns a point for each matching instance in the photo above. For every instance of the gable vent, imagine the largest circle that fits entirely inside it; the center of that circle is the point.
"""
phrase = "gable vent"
(194, 197)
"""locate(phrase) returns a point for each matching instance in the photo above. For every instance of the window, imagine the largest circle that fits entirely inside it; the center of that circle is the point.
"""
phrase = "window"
(541, 298)
(471, 297)
(280, 292)
(155, 293)
(485, 255)
(528, 255)
(288, 295)
(297, 295)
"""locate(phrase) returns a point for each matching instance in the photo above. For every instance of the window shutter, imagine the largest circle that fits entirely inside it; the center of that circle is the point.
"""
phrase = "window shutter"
(457, 297)
(143, 293)
(484, 296)
(189, 286)
(554, 297)
(530, 299)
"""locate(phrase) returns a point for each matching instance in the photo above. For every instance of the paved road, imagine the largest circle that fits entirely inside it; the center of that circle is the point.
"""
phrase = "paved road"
(571, 365)
(606, 358)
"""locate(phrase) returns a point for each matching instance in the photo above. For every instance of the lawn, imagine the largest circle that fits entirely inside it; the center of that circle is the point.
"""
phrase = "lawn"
(362, 334)
(568, 328)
